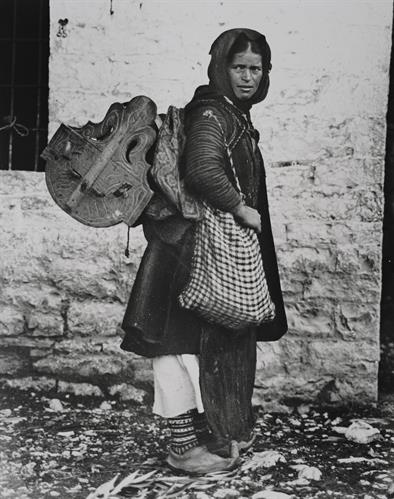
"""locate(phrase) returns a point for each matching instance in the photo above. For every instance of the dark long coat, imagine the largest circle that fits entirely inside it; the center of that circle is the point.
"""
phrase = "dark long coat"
(154, 323)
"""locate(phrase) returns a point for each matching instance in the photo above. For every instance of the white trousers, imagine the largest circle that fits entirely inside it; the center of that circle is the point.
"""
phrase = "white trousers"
(177, 385)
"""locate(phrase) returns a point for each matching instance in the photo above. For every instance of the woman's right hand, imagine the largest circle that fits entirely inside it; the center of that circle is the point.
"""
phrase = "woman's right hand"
(248, 217)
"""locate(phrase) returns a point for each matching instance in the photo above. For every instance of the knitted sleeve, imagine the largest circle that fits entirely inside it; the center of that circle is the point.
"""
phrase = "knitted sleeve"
(204, 161)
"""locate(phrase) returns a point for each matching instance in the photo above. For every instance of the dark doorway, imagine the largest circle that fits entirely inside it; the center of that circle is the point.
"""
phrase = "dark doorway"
(386, 370)
(24, 52)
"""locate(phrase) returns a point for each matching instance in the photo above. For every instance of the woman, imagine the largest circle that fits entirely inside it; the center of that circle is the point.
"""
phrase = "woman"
(188, 353)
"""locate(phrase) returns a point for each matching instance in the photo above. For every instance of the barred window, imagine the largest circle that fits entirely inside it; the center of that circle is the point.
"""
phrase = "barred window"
(24, 52)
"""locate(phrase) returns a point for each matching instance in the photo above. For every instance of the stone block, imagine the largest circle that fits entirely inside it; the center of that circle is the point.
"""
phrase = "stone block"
(307, 232)
(95, 270)
(27, 342)
(142, 371)
(78, 112)
(362, 260)
(323, 388)
(14, 362)
(269, 361)
(351, 171)
(80, 367)
(328, 203)
(86, 75)
(40, 323)
(15, 183)
(300, 176)
(142, 367)
(314, 318)
(326, 389)
(342, 358)
(297, 137)
(312, 364)
(11, 321)
(292, 284)
(270, 405)
(79, 389)
(77, 344)
(39, 353)
(84, 278)
(304, 232)
(355, 320)
(341, 286)
(128, 392)
(311, 261)
(39, 383)
(96, 318)
(38, 203)
(28, 295)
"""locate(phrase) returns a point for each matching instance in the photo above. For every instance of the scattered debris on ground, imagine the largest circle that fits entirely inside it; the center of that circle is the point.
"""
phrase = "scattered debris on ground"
(86, 448)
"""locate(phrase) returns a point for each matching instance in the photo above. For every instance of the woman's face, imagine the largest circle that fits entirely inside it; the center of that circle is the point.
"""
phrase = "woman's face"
(245, 72)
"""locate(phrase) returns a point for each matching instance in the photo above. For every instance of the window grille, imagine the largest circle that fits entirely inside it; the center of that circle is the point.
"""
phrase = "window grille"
(24, 52)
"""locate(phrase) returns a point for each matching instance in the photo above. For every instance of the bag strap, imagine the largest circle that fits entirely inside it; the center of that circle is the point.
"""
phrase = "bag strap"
(210, 114)
(238, 119)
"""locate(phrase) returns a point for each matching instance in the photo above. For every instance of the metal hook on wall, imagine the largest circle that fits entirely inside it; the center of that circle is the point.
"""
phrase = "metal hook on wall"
(61, 32)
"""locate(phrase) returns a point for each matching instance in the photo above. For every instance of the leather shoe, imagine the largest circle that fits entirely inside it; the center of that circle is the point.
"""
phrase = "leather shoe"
(200, 461)
(230, 449)
(244, 446)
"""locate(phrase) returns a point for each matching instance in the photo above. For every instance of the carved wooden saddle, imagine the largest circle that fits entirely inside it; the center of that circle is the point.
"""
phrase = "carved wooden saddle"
(98, 173)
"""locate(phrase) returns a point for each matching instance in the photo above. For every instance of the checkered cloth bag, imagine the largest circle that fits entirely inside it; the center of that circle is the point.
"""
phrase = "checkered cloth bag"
(227, 283)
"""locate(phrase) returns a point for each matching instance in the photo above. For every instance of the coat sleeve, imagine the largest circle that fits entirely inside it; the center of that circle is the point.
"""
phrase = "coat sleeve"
(204, 161)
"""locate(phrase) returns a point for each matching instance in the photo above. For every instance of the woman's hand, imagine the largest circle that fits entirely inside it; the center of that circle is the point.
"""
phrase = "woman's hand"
(248, 217)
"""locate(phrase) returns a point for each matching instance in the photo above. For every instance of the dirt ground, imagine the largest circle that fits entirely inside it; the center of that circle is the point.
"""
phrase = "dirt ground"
(68, 448)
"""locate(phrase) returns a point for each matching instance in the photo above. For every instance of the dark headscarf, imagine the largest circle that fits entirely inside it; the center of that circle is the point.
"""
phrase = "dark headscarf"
(217, 70)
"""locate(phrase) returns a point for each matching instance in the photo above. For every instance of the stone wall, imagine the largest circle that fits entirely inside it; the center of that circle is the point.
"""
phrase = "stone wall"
(64, 286)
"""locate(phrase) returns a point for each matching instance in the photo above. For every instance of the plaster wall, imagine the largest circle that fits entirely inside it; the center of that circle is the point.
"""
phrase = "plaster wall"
(64, 285)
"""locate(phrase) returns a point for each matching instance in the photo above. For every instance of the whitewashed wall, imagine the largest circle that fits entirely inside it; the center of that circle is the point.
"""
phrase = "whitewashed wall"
(323, 138)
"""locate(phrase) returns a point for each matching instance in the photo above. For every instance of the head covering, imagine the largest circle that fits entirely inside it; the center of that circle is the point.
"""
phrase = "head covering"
(218, 72)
